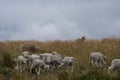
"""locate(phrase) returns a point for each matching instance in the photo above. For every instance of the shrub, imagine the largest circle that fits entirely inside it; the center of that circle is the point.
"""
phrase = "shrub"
(29, 47)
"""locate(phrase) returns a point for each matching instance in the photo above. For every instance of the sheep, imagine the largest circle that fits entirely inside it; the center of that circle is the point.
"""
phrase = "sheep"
(115, 65)
(97, 58)
(30, 58)
(21, 61)
(53, 59)
(68, 63)
(44, 56)
(38, 65)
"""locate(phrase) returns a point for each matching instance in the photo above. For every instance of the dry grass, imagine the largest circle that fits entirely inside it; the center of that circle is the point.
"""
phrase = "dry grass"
(77, 48)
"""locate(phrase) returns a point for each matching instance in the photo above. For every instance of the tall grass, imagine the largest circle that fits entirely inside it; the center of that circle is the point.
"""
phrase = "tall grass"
(79, 49)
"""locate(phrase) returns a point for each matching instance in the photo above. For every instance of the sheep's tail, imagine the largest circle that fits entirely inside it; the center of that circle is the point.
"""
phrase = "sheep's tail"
(105, 57)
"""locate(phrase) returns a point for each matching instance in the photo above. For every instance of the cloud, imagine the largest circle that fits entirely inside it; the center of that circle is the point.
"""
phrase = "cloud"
(58, 19)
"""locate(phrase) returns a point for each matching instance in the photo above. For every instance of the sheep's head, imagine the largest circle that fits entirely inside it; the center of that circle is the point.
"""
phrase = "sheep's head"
(71, 59)
(110, 70)
(25, 61)
(47, 67)
(48, 59)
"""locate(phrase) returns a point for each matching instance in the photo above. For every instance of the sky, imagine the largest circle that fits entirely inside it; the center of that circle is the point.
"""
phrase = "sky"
(59, 19)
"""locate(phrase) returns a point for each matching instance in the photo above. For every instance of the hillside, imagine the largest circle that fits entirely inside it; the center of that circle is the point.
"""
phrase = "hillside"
(79, 49)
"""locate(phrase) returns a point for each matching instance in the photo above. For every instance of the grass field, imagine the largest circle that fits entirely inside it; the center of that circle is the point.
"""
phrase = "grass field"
(77, 48)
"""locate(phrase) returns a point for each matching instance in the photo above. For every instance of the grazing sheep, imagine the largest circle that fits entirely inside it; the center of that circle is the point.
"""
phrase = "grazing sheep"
(53, 59)
(115, 65)
(21, 61)
(44, 56)
(30, 58)
(38, 65)
(97, 58)
(68, 63)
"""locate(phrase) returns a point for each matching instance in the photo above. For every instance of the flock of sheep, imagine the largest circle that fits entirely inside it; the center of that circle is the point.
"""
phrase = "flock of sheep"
(50, 61)
(45, 61)
(98, 59)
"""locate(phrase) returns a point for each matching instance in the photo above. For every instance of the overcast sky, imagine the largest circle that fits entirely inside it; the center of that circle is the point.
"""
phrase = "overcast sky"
(59, 19)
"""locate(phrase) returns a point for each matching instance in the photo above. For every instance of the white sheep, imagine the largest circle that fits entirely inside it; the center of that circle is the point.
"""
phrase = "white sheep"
(30, 58)
(97, 58)
(20, 61)
(38, 65)
(68, 63)
(115, 65)
(53, 59)
(44, 56)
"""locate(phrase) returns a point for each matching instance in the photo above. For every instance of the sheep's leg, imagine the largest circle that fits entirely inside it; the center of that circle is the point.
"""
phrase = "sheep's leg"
(115, 73)
(67, 68)
(71, 68)
(23, 67)
(16, 68)
(96, 63)
(61, 65)
(38, 71)
(20, 68)
(104, 63)
(31, 69)
(92, 62)
(109, 72)
(100, 63)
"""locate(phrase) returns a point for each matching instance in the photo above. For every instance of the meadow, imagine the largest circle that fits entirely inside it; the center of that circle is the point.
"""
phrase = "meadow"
(79, 49)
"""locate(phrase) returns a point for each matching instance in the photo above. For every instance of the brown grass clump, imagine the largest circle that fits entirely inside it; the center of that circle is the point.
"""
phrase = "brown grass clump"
(31, 47)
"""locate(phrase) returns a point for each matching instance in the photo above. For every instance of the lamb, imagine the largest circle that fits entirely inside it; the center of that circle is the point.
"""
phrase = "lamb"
(21, 61)
(30, 58)
(38, 65)
(55, 60)
(115, 65)
(68, 60)
(44, 56)
(68, 63)
(97, 58)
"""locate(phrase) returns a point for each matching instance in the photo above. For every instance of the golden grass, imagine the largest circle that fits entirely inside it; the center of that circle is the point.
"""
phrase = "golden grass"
(76, 48)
